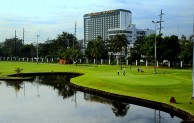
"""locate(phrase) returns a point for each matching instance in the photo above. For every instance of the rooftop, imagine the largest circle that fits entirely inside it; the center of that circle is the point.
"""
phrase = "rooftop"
(109, 11)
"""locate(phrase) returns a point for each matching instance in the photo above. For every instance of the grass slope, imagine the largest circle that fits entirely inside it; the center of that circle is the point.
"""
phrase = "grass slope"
(158, 87)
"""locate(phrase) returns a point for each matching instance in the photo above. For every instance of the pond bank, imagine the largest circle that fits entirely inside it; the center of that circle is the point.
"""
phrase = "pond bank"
(28, 76)
(173, 111)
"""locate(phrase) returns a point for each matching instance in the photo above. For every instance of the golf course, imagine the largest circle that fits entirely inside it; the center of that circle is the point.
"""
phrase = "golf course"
(158, 87)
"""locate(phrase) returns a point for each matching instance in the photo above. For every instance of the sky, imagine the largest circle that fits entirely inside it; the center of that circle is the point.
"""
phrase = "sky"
(48, 18)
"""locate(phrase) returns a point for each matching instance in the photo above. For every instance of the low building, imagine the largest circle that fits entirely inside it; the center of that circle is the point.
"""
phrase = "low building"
(131, 32)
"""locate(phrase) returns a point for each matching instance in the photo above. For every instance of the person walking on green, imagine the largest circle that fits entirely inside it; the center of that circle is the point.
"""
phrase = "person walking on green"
(124, 71)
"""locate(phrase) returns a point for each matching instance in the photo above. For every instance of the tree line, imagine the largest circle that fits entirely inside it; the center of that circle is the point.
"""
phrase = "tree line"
(168, 48)
(66, 46)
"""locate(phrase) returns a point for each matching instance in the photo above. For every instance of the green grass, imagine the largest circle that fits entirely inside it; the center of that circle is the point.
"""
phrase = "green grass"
(158, 87)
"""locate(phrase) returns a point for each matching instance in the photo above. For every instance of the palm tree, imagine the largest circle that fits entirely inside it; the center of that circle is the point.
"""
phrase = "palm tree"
(95, 48)
(18, 71)
(119, 45)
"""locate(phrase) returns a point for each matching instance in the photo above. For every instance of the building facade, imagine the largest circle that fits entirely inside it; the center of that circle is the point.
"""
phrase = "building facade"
(131, 32)
(97, 24)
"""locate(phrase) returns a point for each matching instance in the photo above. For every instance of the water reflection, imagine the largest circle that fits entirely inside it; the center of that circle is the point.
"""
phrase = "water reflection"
(113, 111)
(119, 108)
(61, 83)
(16, 84)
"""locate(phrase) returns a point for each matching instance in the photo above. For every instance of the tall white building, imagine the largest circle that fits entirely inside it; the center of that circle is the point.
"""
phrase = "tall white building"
(97, 24)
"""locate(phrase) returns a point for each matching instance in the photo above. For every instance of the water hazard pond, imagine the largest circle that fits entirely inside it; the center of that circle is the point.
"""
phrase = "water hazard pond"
(50, 99)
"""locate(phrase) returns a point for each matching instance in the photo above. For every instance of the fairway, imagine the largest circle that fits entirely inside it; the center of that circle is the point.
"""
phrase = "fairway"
(159, 87)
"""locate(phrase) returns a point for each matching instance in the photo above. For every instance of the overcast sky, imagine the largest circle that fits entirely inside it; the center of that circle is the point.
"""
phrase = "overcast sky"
(48, 18)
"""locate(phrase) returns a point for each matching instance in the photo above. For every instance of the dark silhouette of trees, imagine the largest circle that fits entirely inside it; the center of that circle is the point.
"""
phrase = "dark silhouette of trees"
(118, 45)
(96, 48)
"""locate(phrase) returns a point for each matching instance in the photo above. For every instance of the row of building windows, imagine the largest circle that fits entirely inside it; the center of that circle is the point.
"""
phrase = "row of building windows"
(119, 31)
(105, 17)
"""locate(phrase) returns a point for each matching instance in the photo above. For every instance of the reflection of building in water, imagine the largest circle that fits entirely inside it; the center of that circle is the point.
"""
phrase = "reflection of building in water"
(120, 109)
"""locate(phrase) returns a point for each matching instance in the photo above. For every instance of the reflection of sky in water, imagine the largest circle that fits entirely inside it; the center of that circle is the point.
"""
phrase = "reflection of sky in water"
(41, 104)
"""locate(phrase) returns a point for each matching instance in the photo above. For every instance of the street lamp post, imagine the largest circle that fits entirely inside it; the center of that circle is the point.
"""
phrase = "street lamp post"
(37, 50)
(193, 61)
(155, 22)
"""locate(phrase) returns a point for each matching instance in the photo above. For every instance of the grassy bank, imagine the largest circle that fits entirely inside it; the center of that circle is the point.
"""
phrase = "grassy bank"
(158, 87)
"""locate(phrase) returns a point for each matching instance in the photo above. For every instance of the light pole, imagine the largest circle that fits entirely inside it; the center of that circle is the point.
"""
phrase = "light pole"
(37, 50)
(193, 61)
(155, 22)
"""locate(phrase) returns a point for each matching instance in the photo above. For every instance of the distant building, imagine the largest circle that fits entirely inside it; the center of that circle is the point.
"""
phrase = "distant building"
(97, 24)
(109, 23)
(131, 32)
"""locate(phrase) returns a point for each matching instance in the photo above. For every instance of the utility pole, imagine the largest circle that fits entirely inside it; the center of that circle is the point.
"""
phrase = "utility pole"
(178, 30)
(37, 50)
(155, 22)
(74, 34)
(160, 28)
(74, 39)
(75, 28)
(23, 35)
(15, 44)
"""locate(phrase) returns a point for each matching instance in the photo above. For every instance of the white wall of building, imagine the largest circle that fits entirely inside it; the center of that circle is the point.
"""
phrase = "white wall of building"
(131, 32)
(149, 32)
(125, 19)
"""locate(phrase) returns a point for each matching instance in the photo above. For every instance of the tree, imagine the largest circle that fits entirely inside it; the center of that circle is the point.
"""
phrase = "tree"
(11, 47)
(66, 40)
(68, 55)
(137, 51)
(18, 71)
(148, 48)
(119, 45)
(28, 50)
(168, 48)
(171, 48)
(186, 53)
(95, 49)
(56, 47)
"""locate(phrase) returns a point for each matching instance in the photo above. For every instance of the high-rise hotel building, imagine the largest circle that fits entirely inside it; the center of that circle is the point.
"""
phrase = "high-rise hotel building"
(97, 24)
